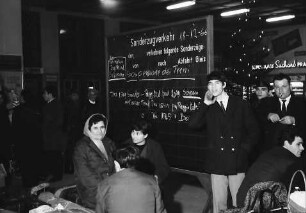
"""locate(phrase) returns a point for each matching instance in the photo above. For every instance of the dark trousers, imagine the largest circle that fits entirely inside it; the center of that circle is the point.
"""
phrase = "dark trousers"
(54, 164)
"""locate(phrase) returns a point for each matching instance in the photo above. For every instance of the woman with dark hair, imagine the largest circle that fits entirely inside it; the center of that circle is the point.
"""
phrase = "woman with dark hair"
(93, 160)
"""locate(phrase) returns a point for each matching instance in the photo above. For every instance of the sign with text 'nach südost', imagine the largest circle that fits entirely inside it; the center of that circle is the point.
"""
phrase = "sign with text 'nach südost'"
(159, 74)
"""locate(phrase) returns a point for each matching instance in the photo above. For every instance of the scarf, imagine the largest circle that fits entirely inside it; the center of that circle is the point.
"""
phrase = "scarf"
(95, 138)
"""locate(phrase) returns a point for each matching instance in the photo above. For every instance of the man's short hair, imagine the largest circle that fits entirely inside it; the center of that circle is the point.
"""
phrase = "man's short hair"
(282, 76)
(217, 75)
(127, 157)
(288, 134)
(50, 89)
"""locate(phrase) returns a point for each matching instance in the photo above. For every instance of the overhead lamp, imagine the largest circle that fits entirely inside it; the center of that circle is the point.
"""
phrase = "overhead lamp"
(235, 12)
(62, 31)
(180, 5)
(280, 18)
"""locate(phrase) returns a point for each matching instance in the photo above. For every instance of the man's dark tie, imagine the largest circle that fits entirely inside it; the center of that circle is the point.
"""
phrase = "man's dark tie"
(284, 110)
(222, 106)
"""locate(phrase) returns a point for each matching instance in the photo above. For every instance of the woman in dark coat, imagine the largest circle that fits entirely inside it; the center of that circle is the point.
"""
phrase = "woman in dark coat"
(93, 160)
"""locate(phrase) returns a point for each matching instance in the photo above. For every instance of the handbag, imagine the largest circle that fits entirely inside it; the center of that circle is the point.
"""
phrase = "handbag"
(293, 205)
(266, 202)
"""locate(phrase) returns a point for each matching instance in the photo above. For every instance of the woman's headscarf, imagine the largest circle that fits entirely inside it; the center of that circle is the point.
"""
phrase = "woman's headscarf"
(86, 130)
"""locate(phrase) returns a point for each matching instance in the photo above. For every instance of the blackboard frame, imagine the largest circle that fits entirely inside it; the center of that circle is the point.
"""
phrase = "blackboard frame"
(196, 140)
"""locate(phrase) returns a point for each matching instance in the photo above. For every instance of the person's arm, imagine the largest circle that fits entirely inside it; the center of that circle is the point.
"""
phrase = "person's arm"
(197, 119)
(101, 193)
(160, 208)
(251, 128)
(110, 146)
(300, 120)
(265, 113)
(87, 177)
(162, 166)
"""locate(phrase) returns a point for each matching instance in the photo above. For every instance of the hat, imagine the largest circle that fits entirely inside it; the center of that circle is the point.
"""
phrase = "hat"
(263, 84)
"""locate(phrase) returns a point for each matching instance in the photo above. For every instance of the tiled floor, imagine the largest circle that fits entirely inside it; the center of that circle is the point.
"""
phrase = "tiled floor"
(185, 194)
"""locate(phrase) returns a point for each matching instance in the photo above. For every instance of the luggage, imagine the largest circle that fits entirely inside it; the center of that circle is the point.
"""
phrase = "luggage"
(297, 199)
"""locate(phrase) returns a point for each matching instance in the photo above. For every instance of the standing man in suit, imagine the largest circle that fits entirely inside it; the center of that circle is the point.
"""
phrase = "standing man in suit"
(92, 105)
(232, 131)
(54, 140)
(281, 111)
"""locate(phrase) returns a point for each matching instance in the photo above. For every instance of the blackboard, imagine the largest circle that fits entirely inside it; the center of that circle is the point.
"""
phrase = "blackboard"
(159, 74)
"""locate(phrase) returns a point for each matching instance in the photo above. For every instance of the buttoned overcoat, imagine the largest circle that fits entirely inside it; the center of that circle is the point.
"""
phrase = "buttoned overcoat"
(231, 134)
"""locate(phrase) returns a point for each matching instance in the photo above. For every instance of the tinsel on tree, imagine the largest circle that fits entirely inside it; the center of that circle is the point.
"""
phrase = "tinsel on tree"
(246, 49)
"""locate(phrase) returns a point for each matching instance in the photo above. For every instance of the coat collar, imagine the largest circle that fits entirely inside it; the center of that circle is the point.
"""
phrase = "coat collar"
(230, 105)
(93, 146)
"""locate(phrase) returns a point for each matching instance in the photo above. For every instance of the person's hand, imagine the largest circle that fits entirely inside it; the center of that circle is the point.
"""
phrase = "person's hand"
(288, 120)
(273, 117)
(117, 166)
(209, 98)
(156, 178)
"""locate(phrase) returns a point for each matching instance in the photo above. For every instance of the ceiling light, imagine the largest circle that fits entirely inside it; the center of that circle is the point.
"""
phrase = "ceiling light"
(180, 5)
(109, 3)
(280, 18)
(62, 31)
(235, 12)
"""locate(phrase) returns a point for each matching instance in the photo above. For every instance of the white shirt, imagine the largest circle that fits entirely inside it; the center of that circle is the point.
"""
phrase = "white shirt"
(224, 98)
(50, 100)
(92, 102)
(286, 103)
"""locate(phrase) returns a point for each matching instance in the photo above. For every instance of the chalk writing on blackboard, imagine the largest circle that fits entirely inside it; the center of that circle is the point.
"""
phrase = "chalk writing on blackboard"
(162, 104)
(171, 55)
(117, 68)
(160, 74)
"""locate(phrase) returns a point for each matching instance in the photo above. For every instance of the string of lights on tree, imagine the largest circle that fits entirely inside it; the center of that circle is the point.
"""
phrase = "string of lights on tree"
(246, 49)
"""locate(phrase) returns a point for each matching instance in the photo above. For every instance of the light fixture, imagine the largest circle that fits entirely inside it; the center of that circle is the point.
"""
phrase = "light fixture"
(109, 3)
(280, 18)
(62, 31)
(235, 12)
(180, 5)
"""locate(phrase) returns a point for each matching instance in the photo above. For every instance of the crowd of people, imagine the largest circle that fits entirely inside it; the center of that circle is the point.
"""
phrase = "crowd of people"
(40, 132)
(241, 134)
(249, 142)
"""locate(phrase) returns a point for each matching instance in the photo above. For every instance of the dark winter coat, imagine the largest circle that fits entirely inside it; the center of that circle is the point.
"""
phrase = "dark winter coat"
(154, 153)
(295, 108)
(91, 167)
(230, 135)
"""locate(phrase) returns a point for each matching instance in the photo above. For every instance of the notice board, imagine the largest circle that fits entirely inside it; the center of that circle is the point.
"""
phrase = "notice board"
(160, 74)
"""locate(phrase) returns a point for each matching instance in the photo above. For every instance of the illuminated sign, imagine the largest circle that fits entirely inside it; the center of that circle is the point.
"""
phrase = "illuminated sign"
(281, 64)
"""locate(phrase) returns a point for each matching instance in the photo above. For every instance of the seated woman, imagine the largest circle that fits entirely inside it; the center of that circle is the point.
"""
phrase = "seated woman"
(92, 159)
